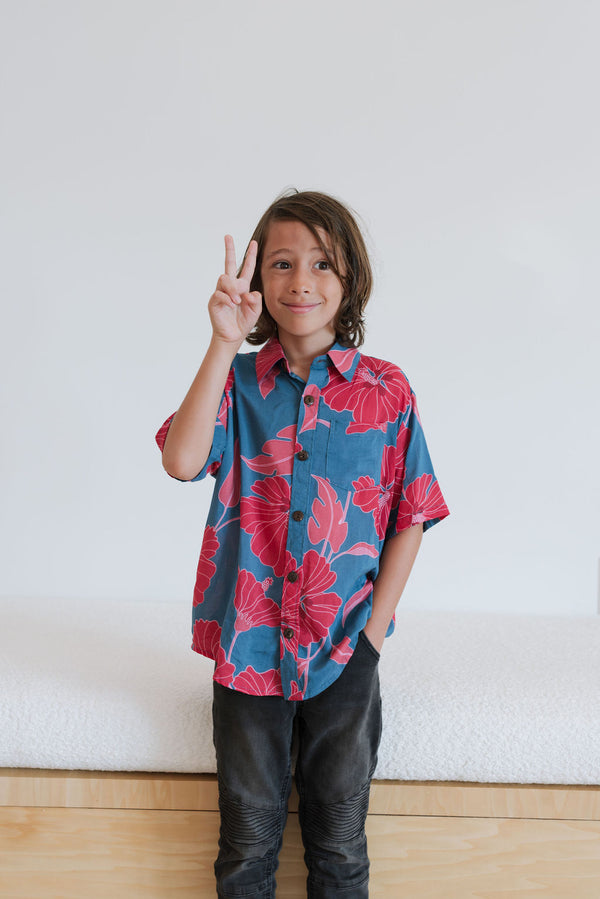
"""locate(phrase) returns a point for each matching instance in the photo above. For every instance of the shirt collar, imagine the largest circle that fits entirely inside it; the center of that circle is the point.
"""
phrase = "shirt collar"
(345, 359)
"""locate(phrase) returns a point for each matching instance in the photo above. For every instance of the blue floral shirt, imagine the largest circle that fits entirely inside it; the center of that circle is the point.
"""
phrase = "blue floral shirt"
(311, 479)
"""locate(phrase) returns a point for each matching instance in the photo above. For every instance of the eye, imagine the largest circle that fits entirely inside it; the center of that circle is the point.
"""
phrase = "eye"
(323, 265)
(282, 264)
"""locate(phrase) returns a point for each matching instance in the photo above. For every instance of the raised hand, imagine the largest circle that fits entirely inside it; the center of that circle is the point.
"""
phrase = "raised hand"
(233, 308)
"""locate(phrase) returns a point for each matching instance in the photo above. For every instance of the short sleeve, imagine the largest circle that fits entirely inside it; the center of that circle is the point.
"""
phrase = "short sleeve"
(222, 425)
(417, 497)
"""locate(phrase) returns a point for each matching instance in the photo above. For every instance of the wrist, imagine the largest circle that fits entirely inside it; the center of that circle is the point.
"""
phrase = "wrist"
(225, 349)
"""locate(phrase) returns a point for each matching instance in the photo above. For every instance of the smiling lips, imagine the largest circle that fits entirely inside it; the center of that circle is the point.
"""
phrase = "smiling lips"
(305, 307)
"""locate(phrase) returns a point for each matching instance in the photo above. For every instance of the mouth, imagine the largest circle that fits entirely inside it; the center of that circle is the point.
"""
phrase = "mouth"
(301, 309)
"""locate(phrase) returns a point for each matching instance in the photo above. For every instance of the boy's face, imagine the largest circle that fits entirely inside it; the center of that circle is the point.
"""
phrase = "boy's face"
(300, 289)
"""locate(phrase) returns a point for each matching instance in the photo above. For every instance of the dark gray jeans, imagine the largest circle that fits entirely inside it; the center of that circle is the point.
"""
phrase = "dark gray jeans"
(337, 735)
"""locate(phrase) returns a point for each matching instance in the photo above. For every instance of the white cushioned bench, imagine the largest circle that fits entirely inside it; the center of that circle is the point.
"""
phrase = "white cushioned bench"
(469, 699)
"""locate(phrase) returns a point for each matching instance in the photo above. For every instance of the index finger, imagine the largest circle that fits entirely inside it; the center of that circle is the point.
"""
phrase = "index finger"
(230, 263)
(249, 261)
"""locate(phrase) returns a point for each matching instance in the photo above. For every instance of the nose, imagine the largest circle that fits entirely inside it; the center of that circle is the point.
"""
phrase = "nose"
(300, 283)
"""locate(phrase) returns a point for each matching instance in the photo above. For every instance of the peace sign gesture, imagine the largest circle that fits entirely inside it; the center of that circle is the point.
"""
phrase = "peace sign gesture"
(233, 308)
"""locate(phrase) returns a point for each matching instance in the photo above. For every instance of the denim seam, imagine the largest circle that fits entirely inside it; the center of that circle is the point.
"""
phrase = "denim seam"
(363, 786)
(224, 790)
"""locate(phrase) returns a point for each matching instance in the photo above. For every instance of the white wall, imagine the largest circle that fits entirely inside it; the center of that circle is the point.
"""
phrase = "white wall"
(136, 133)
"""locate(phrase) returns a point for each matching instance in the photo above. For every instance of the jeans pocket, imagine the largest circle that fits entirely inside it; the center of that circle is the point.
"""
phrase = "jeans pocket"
(369, 645)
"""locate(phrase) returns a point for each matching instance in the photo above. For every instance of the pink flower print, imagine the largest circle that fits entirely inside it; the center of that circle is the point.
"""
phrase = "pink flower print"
(206, 567)
(377, 394)
(422, 500)
(328, 521)
(286, 644)
(303, 666)
(341, 652)
(318, 608)
(277, 455)
(229, 494)
(227, 400)
(311, 409)
(252, 606)
(266, 371)
(265, 516)
(357, 598)
(257, 683)
(224, 670)
(206, 638)
(343, 359)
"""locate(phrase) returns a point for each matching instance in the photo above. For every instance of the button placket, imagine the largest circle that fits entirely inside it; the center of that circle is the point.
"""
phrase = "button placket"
(301, 485)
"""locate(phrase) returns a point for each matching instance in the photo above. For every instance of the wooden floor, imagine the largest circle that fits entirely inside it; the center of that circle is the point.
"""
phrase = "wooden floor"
(86, 835)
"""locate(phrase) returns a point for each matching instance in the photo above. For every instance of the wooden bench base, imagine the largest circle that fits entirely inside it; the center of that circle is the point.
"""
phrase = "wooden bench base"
(68, 835)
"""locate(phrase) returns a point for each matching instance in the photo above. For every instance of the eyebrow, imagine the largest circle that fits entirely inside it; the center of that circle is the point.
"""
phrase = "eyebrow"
(287, 250)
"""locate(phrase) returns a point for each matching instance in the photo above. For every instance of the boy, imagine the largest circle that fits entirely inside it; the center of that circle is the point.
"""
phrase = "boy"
(324, 486)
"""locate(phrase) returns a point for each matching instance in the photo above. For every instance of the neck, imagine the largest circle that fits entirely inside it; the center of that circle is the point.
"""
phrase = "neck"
(300, 352)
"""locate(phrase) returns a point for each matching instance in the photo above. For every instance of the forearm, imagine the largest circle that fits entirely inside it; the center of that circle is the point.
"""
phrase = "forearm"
(397, 559)
(191, 432)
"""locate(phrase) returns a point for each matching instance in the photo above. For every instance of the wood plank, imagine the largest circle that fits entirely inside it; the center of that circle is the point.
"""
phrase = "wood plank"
(108, 789)
(142, 790)
(460, 858)
(69, 853)
(64, 853)
(475, 800)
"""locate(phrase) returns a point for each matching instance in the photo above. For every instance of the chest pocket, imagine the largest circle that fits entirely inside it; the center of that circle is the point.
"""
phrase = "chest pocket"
(351, 456)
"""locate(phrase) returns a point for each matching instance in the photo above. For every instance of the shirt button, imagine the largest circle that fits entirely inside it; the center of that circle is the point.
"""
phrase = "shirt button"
(297, 515)
(292, 576)
(288, 633)
(309, 400)
(302, 455)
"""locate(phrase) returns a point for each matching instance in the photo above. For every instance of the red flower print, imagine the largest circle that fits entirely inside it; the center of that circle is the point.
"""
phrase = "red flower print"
(206, 638)
(328, 521)
(163, 431)
(377, 394)
(295, 692)
(257, 683)
(206, 567)
(370, 497)
(229, 494)
(422, 500)
(402, 441)
(318, 608)
(252, 606)
(266, 518)
(366, 494)
(224, 670)
(341, 652)
(277, 454)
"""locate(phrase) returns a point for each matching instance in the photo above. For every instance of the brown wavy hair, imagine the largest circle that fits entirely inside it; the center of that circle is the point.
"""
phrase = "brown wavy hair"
(318, 210)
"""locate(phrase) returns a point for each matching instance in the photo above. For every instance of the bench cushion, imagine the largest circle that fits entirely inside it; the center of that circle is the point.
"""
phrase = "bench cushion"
(108, 685)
